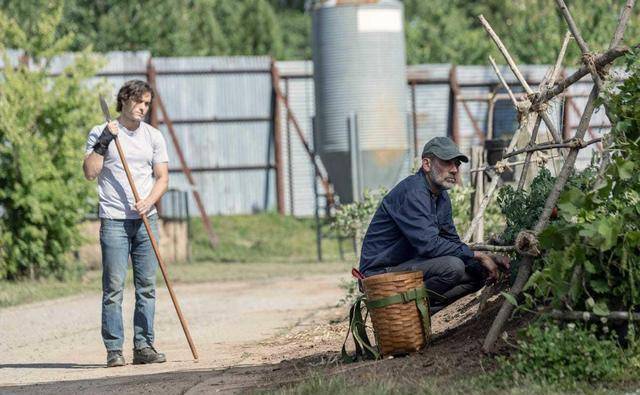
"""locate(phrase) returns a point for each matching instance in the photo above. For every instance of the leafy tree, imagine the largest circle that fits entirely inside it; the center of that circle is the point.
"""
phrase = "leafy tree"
(440, 31)
(532, 30)
(43, 126)
(261, 33)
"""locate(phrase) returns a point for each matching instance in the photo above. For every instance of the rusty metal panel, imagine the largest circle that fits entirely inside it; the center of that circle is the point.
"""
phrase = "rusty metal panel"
(208, 88)
(297, 83)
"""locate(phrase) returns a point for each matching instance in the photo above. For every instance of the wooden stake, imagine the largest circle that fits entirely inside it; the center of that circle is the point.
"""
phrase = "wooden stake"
(156, 250)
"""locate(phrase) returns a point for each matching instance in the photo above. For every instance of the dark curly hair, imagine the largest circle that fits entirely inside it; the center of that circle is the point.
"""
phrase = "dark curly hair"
(133, 89)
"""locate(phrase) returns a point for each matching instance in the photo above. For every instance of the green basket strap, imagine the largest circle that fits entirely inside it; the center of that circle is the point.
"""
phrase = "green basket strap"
(357, 328)
(405, 297)
(419, 295)
(425, 313)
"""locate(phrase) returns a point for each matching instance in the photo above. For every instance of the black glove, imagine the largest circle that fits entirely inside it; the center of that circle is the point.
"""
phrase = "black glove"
(102, 145)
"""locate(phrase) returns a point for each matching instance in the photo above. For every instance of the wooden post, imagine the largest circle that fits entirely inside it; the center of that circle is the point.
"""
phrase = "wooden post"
(453, 105)
(414, 117)
(477, 158)
(213, 238)
(277, 138)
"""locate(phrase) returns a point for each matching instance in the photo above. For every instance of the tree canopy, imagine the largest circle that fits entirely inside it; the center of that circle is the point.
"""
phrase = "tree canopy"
(437, 31)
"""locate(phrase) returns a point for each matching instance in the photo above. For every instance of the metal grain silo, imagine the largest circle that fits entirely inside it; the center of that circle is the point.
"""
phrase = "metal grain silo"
(360, 88)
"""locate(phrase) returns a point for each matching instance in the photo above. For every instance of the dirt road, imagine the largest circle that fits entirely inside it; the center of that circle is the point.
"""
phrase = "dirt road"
(59, 341)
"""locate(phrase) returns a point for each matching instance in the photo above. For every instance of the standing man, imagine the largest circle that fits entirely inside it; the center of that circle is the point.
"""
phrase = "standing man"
(122, 232)
(413, 230)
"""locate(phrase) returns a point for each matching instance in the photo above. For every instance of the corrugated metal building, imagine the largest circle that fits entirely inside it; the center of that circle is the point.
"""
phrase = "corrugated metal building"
(221, 108)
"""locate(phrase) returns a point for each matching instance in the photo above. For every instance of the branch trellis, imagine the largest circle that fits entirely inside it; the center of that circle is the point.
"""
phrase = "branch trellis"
(532, 113)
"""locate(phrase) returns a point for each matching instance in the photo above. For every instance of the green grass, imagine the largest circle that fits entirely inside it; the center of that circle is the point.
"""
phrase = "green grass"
(264, 238)
(15, 293)
(438, 385)
(251, 247)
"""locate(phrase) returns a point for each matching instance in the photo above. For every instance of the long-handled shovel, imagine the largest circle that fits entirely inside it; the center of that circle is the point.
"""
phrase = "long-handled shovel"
(156, 249)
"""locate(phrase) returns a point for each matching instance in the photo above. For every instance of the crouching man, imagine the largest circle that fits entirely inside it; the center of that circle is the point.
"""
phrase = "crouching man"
(413, 230)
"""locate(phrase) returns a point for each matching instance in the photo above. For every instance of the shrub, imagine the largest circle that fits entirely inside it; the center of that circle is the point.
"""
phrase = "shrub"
(564, 356)
(43, 125)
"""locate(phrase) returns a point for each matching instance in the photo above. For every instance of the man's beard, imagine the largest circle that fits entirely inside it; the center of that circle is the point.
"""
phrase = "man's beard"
(441, 180)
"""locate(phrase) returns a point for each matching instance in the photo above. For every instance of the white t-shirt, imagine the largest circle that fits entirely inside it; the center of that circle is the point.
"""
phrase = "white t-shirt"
(143, 148)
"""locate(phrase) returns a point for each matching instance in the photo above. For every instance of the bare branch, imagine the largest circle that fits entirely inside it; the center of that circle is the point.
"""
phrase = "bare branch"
(558, 66)
(483, 206)
(505, 54)
(599, 61)
(573, 143)
(503, 82)
(492, 248)
(518, 74)
(590, 317)
(586, 53)
(572, 26)
(622, 24)
(527, 161)
(508, 164)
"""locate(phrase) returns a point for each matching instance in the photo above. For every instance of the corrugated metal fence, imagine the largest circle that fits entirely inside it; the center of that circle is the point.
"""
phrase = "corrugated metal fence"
(222, 111)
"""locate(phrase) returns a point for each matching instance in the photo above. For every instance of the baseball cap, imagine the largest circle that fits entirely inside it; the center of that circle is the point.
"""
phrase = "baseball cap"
(444, 148)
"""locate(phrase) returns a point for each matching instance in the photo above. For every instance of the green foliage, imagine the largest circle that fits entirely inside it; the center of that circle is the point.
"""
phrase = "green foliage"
(353, 219)
(173, 28)
(351, 291)
(443, 31)
(43, 126)
(437, 31)
(521, 209)
(593, 260)
(461, 198)
(564, 356)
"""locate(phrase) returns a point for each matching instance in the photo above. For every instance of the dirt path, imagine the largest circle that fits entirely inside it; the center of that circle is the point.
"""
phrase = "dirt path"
(59, 341)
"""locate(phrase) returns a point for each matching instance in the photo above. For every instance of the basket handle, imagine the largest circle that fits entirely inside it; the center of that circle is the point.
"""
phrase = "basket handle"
(357, 328)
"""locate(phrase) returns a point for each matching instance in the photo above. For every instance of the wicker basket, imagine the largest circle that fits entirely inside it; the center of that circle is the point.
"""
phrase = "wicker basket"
(399, 328)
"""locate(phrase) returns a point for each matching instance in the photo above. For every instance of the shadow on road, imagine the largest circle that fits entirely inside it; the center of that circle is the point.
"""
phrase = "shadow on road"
(50, 366)
(227, 380)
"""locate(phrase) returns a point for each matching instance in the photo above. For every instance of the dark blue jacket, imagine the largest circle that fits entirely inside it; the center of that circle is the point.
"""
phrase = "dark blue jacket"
(411, 222)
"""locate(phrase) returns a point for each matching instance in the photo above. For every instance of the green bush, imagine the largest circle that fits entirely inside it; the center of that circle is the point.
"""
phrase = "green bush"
(565, 356)
(592, 259)
(43, 125)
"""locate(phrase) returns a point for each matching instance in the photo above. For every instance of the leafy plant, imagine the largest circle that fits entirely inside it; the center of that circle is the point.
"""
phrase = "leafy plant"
(567, 355)
(593, 259)
(521, 209)
(352, 219)
(43, 125)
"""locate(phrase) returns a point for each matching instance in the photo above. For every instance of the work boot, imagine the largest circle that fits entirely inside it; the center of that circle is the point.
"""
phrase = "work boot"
(114, 358)
(148, 355)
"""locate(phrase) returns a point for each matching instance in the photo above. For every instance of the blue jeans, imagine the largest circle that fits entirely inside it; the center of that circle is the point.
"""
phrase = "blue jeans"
(120, 238)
